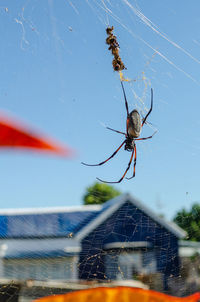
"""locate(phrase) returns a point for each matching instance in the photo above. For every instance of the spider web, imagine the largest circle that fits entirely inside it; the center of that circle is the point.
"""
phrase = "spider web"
(57, 73)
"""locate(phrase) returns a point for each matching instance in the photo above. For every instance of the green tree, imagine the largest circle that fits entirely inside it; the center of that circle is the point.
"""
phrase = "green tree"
(99, 193)
(190, 222)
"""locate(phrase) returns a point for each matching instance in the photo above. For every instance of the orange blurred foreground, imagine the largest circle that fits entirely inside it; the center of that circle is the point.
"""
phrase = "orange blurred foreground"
(15, 135)
(118, 294)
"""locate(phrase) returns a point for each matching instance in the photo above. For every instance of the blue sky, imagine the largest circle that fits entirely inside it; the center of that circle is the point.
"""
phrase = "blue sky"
(56, 75)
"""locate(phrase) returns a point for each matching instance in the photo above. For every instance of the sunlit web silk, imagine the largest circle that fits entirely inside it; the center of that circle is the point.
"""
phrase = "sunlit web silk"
(120, 294)
(14, 135)
(108, 8)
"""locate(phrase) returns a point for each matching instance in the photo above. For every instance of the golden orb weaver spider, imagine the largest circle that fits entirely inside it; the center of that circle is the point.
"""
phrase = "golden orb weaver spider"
(133, 129)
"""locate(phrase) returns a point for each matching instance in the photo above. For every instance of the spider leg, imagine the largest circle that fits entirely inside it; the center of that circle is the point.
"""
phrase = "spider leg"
(103, 162)
(115, 182)
(144, 119)
(116, 131)
(126, 103)
(143, 138)
(135, 159)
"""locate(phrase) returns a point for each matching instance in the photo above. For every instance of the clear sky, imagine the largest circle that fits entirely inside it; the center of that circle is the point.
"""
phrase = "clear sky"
(56, 75)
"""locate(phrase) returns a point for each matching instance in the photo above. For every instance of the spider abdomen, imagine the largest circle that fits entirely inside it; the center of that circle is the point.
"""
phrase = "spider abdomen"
(134, 124)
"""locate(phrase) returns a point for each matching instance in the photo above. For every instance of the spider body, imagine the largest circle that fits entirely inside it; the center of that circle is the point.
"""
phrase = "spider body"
(134, 126)
(129, 144)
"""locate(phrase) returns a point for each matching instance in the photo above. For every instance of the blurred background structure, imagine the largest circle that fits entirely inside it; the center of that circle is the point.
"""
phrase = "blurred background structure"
(121, 242)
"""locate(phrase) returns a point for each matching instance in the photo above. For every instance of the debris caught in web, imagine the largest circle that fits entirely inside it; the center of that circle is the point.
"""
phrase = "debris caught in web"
(111, 40)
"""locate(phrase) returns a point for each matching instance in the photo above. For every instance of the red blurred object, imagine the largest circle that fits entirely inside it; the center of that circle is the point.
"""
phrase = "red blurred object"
(119, 294)
(16, 135)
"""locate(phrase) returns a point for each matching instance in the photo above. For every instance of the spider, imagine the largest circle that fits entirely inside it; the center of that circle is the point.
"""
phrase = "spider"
(134, 126)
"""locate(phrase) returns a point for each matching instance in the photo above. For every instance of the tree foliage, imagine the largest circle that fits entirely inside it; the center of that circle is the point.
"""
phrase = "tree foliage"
(190, 222)
(99, 193)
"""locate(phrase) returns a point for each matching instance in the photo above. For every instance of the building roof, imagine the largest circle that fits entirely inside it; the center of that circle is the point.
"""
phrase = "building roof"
(114, 204)
(49, 222)
(69, 222)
